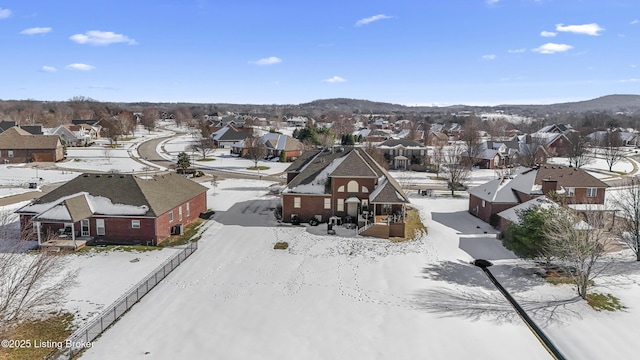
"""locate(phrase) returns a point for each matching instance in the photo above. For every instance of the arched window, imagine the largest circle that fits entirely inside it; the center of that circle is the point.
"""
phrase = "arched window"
(341, 188)
(352, 186)
(364, 189)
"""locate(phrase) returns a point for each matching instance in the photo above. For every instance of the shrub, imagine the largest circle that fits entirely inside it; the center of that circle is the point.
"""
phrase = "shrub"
(295, 220)
(313, 222)
(606, 302)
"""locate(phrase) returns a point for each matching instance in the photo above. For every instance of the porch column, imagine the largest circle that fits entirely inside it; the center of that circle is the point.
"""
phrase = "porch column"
(73, 235)
(38, 232)
(404, 213)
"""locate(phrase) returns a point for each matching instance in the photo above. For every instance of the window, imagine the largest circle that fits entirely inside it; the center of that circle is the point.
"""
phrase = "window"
(341, 188)
(592, 192)
(296, 202)
(327, 203)
(340, 204)
(352, 186)
(390, 151)
(100, 227)
(483, 203)
(571, 191)
(364, 189)
(188, 210)
(10, 153)
(84, 227)
(135, 224)
(421, 152)
(365, 204)
(180, 213)
(171, 216)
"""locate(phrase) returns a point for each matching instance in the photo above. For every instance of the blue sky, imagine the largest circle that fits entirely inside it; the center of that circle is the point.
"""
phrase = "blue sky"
(418, 52)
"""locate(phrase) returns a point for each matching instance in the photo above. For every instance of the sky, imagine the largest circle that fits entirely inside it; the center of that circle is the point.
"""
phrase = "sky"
(411, 52)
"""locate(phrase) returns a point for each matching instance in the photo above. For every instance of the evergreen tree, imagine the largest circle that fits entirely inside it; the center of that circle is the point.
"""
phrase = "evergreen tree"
(183, 161)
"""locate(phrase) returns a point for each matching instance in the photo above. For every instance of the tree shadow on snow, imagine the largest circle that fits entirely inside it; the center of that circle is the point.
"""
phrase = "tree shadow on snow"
(477, 298)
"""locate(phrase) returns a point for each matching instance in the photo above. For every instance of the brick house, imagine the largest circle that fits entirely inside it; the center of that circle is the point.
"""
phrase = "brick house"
(402, 153)
(575, 185)
(274, 144)
(20, 146)
(344, 185)
(115, 208)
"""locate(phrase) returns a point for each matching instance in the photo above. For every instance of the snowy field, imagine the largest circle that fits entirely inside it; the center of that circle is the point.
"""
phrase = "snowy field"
(328, 297)
(15, 178)
(624, 166)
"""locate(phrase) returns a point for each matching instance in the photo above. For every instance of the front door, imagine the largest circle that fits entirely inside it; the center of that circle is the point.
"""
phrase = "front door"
(352, 209)
(85, 227)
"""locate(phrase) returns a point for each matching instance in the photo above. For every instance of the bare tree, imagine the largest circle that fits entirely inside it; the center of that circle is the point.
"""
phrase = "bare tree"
(456, 170)
(577, 150)
(438, 157)
(532, 152)
(326, 139)
(32, 284)
(627, 201)
(611, 148)
(203, 146)
(255, 149)
(577, 246)
(375, 154)
(149, 117)
(471, 138)
(182, 116)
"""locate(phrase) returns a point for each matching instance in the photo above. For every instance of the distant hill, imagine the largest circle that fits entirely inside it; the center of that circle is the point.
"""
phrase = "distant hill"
(609, 103)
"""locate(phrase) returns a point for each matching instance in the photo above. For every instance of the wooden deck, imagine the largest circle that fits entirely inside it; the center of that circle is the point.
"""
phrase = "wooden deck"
(62, 245)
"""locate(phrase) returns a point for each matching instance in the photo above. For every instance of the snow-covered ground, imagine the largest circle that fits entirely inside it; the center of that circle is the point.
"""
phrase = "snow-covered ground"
(15, 178)
(97, 158)
(328, 297)
(624, 166)
(223, 160)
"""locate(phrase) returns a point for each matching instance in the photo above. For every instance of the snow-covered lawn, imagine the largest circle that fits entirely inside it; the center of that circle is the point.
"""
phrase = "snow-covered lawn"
(359, 298)
(104, 276)
(223, 160)
(97, 158)
(624, 166)
(15, 178)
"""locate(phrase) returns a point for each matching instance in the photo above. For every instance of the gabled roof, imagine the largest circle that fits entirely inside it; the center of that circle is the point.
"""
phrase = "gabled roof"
(316, 169)
(229, 133)
(568, 177)
(392, 143)
(158, 194)
(387, 193)
(495, 191)
(17, 138)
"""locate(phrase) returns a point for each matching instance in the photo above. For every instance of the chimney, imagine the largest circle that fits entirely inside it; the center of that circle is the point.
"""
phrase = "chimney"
(548, 186)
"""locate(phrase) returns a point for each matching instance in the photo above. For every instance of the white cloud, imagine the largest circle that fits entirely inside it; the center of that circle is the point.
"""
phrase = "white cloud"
(371, 19)
(267, 61)
(335, 79)
(4, 13)
(633, 22)
(551, 48)
(96, 37)
(489, 57)
(516, 51)
(35, 30)
(548, 34)
(630, 80)
(592, 29)
(47, 68)
(80, 67)
(491, 2)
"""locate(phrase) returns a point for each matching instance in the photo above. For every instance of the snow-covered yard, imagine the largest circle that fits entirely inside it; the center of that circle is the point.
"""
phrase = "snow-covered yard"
(330, 297)
(222, 158)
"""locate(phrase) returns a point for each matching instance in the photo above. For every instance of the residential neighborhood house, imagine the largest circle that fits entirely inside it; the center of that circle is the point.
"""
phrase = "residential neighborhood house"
(575, 185)
(115, 209)
(344, 185)
(19, 146)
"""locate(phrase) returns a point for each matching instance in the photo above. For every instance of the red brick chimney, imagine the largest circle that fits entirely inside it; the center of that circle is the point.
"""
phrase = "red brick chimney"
(548, 186)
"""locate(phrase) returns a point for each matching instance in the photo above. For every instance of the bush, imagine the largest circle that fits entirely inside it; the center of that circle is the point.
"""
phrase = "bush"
(277, 212)
(313, 222)
(606, 302)
(295, 220)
